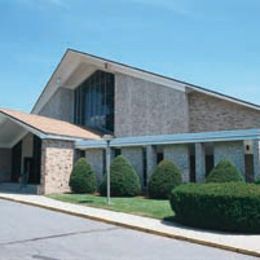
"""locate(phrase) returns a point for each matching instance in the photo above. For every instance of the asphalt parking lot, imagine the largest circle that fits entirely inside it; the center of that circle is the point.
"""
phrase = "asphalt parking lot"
(33, 233)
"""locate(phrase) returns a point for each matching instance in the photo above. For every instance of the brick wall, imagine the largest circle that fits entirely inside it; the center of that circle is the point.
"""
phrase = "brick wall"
(146, 108)
(179, 155)
(213, 114)
(135, 157)
(232, 151)
(96, 160)
(60, 106)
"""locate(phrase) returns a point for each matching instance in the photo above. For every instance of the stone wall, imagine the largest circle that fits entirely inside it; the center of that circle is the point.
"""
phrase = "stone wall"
(179, 155)
(213, 114)
(56, 165)
(95, 157)
(146, 108)
(60, 106)
(5, 164)
(232, 151)
(135, 157)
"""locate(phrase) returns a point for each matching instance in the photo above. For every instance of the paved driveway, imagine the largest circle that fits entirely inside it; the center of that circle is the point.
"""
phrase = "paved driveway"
(28, 232)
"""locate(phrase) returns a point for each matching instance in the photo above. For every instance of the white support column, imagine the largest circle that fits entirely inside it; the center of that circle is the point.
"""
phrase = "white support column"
(200, 163)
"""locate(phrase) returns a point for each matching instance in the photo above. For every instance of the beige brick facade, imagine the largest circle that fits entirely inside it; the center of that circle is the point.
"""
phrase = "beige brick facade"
(208, 113)
(146, 108)
(56, 166)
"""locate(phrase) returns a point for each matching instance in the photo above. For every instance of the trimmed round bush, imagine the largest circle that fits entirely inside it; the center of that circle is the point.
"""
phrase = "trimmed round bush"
(124, 180)
(257, 182)
(165, 177)
(225, 171)
(82, 179)
(229, 206)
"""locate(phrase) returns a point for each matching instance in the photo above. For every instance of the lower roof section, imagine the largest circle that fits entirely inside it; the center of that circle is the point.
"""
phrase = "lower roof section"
(202, 137)
(15, 124)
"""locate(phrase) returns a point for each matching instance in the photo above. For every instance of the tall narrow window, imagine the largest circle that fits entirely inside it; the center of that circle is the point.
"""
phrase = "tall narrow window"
(94, 102)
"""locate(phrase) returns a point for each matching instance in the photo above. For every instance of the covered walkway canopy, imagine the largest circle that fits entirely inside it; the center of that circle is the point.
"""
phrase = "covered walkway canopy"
(15, 124)
(33, 145)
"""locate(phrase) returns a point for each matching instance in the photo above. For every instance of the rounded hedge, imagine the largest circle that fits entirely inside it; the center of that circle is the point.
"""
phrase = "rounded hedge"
(229, 206)
(257, 182)
(165, 177)
(124, 180)
(225, 171)
(82, 179)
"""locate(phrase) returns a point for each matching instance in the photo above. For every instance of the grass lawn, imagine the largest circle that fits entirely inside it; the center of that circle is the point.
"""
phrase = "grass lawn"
(138, 205)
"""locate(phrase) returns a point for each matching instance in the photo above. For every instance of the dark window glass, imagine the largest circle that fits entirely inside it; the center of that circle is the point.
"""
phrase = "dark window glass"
(94, 102)
(159, 157)
(192, 168)
(209, 163)
(117, 152)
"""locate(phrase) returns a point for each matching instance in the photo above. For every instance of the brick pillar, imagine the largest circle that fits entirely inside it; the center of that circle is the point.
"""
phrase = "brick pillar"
(56, 165)
(200, 164)
(179, 154)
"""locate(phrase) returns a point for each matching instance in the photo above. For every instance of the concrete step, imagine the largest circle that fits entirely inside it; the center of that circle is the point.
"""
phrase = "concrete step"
(10, 187)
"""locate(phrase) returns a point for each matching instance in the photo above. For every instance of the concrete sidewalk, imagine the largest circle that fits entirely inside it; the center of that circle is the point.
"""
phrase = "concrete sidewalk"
(246, 244)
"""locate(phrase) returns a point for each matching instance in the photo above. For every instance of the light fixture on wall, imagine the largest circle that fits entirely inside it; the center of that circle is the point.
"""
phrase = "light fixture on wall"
(58, 82)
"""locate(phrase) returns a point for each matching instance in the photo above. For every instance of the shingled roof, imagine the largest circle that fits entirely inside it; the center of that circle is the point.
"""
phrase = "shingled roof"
(49, 126)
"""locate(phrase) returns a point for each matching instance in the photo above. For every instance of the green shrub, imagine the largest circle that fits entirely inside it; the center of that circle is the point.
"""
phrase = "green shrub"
(229, 206)
(124, 180)
(165, 177)
(257, 181)
(225, 171)
(82, 179)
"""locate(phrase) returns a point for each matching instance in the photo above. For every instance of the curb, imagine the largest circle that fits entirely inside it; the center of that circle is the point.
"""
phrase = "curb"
(142, 229)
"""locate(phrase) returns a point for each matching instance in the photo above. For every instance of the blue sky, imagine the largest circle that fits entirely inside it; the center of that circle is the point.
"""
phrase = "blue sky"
(215, 44)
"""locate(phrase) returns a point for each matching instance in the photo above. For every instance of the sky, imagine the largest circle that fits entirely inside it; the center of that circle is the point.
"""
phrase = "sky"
(214, 44)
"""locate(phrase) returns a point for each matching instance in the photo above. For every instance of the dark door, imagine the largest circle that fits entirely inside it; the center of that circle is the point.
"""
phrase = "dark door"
(28, 169)
(249, 167)
(37, 155)
(16, 162)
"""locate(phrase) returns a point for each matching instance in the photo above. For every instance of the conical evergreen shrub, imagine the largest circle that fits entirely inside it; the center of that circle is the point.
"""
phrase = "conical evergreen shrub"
(224, 171)
(83, 179)
(165, 177)
(124, 180)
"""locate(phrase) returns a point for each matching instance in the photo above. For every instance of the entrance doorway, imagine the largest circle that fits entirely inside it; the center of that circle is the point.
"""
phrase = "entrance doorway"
(28, 170)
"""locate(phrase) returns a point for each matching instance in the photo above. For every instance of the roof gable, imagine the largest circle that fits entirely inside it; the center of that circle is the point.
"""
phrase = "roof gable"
(73, 59)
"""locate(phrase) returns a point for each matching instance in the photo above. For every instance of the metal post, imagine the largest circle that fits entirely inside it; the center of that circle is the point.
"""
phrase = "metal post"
(108, 156)
(108, 138)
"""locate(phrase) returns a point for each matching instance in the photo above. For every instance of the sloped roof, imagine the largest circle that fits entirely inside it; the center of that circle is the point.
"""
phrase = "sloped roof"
(49, 126)
(76, 57)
